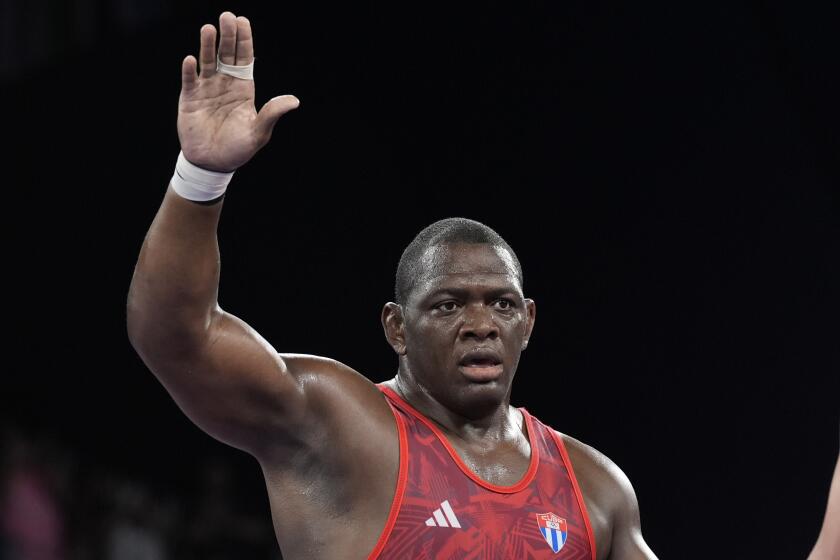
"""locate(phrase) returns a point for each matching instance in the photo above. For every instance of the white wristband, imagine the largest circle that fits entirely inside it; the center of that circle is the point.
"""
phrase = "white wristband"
(194, 183)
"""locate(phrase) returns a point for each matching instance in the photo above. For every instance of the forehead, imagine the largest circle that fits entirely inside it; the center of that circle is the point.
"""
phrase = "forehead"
(459, 262)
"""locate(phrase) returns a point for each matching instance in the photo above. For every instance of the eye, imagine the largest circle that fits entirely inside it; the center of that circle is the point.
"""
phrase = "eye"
(504, 304)
(447, 306)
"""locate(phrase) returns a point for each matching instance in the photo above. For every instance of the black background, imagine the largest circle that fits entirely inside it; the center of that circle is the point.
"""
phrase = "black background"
(668, 176)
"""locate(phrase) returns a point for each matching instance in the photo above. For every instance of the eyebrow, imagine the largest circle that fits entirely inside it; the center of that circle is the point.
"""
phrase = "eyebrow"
(463, 292)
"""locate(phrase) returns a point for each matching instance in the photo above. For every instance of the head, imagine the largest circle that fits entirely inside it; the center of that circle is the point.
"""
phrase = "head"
(460, 320)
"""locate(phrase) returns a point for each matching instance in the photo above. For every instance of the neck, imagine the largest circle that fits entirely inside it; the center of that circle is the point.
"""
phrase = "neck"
(488, 423)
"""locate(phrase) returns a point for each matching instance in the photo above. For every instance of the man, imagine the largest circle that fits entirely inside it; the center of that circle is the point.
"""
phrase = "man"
(434, 463)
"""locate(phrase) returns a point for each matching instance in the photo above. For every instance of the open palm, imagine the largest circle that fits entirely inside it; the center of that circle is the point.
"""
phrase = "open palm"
(218, 125)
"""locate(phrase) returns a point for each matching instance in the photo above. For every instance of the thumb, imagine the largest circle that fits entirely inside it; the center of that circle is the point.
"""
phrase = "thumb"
(274, 108)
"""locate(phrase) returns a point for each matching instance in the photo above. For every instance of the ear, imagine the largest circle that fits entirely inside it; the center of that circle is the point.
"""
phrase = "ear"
(393, 323)
(531, 310)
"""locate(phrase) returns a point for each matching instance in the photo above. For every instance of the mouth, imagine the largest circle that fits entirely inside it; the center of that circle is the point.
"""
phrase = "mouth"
(481, 366)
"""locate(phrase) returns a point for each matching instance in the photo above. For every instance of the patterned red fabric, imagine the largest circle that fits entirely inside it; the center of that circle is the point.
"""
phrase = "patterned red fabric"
(443, 511)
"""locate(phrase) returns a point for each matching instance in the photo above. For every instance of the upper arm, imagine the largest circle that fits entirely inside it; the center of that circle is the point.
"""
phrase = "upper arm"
(227, 379)
(611, 504)
(235, 386)
(627, 540)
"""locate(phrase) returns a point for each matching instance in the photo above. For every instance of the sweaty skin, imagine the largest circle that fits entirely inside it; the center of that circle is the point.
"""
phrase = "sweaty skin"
(323, 434)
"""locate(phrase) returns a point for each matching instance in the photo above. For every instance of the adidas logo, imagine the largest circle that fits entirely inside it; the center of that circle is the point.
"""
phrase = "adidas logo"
(443, 517)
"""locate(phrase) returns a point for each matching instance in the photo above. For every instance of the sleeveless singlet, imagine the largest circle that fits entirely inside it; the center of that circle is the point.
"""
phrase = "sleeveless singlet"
(442, 510)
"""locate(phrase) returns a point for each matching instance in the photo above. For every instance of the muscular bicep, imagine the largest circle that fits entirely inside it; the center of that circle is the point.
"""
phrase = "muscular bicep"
(231, 383)
(627, 540)
(611, 504)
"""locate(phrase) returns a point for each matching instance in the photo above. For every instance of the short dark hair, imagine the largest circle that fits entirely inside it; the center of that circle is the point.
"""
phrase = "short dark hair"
(443, 232)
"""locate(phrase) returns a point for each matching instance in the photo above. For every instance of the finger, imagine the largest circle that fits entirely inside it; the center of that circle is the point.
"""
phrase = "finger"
(207, 56)
(227, 38)
(189, 79)
(244, 42)
(273, 110)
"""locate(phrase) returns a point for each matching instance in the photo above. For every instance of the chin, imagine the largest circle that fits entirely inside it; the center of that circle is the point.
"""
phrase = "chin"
(478, 399)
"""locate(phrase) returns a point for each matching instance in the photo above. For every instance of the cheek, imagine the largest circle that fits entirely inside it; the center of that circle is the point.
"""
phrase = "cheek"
(514, 329)
(512, 323)
(434, 340)
(422, 335)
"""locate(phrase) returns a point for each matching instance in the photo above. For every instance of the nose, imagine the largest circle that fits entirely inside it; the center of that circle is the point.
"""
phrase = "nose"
(479, 323)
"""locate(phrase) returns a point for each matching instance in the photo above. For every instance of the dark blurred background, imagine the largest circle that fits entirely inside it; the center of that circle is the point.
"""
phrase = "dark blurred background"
(668, 175)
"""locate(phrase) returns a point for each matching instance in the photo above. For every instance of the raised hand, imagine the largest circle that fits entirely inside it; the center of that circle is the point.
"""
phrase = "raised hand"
(218, 125)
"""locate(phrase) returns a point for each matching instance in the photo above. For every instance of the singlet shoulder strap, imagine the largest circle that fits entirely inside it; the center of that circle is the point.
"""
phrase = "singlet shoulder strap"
(561, 446)
(402, 478)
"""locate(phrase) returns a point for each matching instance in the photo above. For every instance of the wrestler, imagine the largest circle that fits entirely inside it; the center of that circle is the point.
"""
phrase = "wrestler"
(433, 463)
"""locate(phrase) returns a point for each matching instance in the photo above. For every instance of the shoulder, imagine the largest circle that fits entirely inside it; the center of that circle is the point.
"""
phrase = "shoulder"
(591, 462)
(310, 371)
(599, 477)
(336, 402)
(611, 502)
(333, 388)
(596, 469)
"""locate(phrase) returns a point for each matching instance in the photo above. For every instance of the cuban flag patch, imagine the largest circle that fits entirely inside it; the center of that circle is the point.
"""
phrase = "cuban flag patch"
(554, 530)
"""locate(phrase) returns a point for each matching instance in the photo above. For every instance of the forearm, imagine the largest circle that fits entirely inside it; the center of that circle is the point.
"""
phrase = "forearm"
(172, 305)
(173, 292)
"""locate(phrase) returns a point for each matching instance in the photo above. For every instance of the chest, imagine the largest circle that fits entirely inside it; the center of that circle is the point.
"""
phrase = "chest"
(499, 465)
(457, 502)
